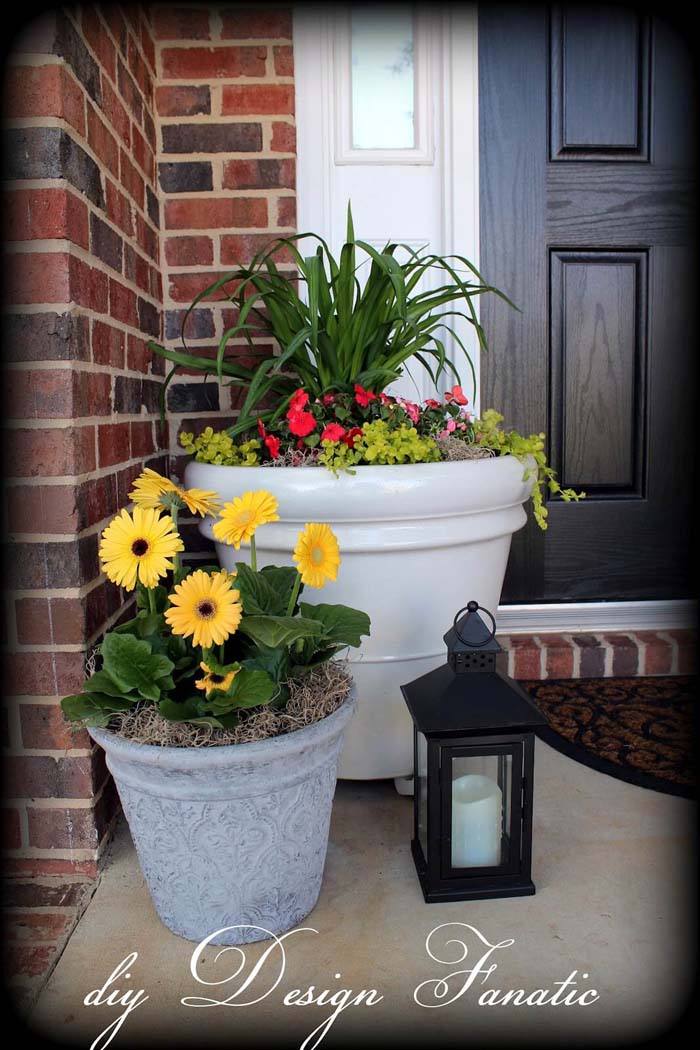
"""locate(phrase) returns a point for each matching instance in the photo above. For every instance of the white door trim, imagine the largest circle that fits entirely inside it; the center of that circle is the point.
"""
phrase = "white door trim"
(449, 42)
(597, 616)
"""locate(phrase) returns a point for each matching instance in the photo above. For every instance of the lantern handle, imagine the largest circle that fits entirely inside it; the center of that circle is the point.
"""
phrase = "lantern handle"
(469, 608)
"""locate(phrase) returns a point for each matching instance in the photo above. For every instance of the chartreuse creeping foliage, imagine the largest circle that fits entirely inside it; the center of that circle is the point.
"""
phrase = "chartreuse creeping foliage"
(490, 435)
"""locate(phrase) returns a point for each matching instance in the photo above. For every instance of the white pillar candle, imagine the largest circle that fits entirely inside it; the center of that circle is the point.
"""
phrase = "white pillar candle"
(477, 818)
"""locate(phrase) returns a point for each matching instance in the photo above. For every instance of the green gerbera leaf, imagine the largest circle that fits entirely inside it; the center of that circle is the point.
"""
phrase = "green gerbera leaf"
(341, 625)
(279, 631)
(93, 709)
(133, 666)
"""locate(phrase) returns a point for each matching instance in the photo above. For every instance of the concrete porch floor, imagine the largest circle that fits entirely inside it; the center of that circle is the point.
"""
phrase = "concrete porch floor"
(613, 869)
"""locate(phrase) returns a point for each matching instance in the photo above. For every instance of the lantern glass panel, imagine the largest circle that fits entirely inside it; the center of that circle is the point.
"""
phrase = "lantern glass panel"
(481, 792)
(421, 786)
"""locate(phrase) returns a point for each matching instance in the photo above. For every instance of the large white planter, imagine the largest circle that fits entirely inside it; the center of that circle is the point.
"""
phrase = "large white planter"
(417, 543)
(231, 838)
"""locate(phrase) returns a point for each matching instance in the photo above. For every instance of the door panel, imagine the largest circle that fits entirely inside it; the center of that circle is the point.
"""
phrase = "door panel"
(586, 222)
(598, 338)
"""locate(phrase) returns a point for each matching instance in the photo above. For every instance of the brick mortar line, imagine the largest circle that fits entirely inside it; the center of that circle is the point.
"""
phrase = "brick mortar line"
(39, 909)
(48, 853)
(14, 185)
(246, 80)
(78, 479)
(51, 880)
(211, 268)
(63, 125)
(23, 818)
(48, 752)
(215, 44)
(674, 651)
(642, 653)
(61, 246)
(89, 367)
(57, 647)
(66, 423)
(57, 592)
(78, 310)
(130, 33)
(47, 804)
(49, 242)
(58, 60)
(114, 82)
(269, 193)
(34, 60)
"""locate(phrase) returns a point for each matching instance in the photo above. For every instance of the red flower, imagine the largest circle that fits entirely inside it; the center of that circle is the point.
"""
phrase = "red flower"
(432, 403)
(385, 399)
(351, 435)
(273, 445)
(329, 399)
(298, 400)
(261, 428)
(301, 423)
(456, 395)
(333, 432)
(363, 397)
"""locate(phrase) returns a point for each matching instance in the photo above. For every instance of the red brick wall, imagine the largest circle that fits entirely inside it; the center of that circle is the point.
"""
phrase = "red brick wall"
(115, 116)
(82, 295)
(227, 170)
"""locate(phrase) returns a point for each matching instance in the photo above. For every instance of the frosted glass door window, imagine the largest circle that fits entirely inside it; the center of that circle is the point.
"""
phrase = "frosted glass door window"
(383, 87)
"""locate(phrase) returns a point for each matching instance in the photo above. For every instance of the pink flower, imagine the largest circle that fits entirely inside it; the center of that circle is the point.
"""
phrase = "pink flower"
(444, 434)
(333, 432)
(451, 426)
(298, 400)
(385, 399)
(455, 395)
(363, 397)
(273, 445)
(412, 410)
(432, 403)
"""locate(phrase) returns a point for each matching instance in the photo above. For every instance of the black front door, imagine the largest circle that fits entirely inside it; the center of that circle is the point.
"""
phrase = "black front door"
(586, 154)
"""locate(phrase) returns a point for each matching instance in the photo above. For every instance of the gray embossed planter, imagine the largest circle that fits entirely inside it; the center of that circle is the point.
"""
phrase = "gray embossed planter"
(234, 835)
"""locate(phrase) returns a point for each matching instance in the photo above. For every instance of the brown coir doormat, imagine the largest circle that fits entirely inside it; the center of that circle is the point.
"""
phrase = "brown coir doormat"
(642, 730)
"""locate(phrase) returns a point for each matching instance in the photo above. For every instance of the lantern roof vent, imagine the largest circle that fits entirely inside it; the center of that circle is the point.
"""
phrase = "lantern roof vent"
(471, 644)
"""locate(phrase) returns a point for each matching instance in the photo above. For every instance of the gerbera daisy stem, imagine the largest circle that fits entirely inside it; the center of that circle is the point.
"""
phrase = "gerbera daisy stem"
(294, 595)
(151, 600)
(176, 559)
(253, 555)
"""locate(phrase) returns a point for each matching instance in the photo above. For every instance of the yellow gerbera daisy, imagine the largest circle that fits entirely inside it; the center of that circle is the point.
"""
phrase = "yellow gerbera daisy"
(244, 515)
(139, 547)
(212, 680)
(205, 607)
(317, 555)
(150, 487)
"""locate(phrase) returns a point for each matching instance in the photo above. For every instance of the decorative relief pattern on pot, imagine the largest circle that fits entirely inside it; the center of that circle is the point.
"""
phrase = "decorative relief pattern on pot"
(256, 861)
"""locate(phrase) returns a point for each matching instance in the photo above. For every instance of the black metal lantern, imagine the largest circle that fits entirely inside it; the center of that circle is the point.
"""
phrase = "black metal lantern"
(473, 770)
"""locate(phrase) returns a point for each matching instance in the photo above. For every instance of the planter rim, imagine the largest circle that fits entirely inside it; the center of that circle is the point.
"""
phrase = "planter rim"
(369, 469)
(201, 758)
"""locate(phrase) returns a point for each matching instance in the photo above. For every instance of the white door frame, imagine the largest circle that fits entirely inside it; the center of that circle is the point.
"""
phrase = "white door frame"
(316, 153)
(321, 138)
